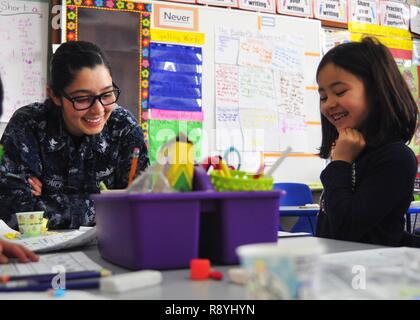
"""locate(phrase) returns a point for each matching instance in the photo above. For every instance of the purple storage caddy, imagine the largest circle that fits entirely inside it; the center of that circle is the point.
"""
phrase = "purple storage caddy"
(148, 231)
(165, 231)
(231, 219)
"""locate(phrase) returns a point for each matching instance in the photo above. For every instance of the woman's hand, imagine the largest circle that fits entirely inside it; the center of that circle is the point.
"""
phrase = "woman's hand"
(348, 145)
(12, 250)
(36, 186)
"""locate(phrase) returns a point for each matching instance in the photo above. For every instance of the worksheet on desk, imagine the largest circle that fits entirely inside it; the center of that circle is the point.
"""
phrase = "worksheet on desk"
(59, 241)
(48, 264)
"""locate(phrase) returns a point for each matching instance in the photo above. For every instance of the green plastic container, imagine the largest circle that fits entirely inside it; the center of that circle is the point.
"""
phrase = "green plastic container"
(240, 181)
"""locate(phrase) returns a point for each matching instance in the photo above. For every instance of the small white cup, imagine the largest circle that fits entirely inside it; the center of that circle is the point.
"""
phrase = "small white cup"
(30, 223)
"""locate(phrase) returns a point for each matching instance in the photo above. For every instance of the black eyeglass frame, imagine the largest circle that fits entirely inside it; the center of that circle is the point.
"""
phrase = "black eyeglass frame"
(97, 97)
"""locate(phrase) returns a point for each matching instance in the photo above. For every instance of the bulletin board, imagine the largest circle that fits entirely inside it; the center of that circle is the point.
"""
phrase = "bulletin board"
(255, 84)
(23, 53)
(122, 30)
(226, 70)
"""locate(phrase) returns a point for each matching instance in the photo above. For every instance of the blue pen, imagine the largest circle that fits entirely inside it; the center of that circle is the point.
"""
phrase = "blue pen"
(68, 276)
(20, 286)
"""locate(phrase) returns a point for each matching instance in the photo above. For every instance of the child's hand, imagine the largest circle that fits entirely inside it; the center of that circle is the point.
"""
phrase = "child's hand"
(36, 186)
(348, 146)
(12, 250)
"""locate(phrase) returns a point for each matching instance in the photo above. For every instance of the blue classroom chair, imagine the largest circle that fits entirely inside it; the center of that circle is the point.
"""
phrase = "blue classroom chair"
(297, 194)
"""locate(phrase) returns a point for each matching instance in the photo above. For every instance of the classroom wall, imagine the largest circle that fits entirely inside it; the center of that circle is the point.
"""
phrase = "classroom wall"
(302, 165)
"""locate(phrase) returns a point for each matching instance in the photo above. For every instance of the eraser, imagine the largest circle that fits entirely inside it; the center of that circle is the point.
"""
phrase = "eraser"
(130, 281)
(237, 275)
(199, 269)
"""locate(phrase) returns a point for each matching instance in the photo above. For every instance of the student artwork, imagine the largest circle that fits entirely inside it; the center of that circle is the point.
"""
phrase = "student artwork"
(129, 53)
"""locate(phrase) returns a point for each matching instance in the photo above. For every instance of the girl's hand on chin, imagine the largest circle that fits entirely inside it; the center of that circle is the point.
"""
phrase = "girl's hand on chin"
(349, 144)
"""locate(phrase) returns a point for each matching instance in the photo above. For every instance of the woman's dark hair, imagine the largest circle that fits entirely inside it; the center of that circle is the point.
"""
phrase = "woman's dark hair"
(393, 112)
(71, 57)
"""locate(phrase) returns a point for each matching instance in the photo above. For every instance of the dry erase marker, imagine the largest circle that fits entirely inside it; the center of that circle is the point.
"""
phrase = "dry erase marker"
(78, 275)
(21, 286)
(134, 161)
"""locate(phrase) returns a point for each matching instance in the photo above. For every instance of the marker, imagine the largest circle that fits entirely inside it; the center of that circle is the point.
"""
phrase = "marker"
(134, 161)
(278, 162)
(20, 286)
(48, 277)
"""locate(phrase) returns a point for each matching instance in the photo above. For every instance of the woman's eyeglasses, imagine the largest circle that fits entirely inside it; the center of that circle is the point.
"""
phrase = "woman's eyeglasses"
(81, 103)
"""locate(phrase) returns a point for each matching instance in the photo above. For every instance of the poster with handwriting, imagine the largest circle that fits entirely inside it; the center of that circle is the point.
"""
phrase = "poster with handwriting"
(254, 52)
(293, 132)
(290, 93)
(260, 129)
(259, 78)
(288, 54)
(23, 53)
(256, 88)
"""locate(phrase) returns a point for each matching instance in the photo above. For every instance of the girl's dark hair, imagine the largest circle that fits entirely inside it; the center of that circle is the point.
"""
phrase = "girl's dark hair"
(1, 98)
(393, 112)
(71, 57)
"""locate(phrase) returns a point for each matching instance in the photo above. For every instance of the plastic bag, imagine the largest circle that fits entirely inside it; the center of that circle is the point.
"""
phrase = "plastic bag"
(152, 180)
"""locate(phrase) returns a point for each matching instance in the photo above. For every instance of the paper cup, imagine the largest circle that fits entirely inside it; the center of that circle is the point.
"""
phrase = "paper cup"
(30, 223)
(280, 271)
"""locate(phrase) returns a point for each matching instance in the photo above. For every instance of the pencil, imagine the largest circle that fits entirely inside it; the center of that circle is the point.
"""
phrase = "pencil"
(134, 161)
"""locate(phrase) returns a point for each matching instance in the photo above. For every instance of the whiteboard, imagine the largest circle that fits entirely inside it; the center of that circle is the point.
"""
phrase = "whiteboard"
(23, 53)
(299, 167)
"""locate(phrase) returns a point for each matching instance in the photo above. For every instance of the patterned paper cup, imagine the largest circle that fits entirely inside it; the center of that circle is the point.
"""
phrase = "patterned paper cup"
(30, 223)
(280, 271)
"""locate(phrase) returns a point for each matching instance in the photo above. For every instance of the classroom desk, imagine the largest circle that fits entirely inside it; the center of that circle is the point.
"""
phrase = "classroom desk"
(177, 286)
(411, 210)
(298, 211)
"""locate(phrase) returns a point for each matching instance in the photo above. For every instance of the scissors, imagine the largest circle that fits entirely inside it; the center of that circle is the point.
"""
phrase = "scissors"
(227, 157)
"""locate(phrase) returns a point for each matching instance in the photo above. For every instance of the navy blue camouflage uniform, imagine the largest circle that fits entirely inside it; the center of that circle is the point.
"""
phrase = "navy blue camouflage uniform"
(36, 143)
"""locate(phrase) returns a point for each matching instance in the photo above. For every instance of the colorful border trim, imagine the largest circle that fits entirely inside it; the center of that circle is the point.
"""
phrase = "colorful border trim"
(144, 11)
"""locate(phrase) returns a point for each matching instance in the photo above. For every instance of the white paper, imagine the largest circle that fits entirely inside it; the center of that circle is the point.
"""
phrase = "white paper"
(415, 19)
(226, 46)
(72, 262)
(4, 229)
(59, 241)
(284, 234)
